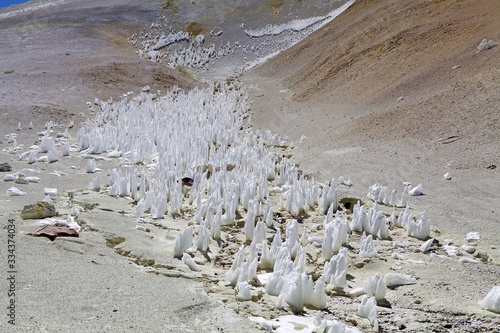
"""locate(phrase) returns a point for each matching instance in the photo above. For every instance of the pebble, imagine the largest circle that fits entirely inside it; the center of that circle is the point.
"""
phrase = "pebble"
(486, 44)
(21, 181)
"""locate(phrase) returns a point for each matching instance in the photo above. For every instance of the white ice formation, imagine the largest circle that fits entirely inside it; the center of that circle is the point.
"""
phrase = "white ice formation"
(66, 149)
(416, 228)
(194, 155)
(473, 236)
(367, 249)
(53, 155)
(425, 247)
(335, 270)
(417, 190)
(91, 166)
(373, 222)
(15, 192)
(393, 280)
(244, 291)
(492, 300)
(95, 184)
(336, 233)
(374, 286)
(419, 228)
(290, 323)
(186, 258)
(183, 242)
(52, 191)
(368, 309)
(12, 176)
(383, 195)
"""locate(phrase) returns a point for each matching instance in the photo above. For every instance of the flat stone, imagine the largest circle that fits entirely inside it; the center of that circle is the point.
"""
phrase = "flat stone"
(52, 232)
(8, 70)
(21, 181)
(39, 210)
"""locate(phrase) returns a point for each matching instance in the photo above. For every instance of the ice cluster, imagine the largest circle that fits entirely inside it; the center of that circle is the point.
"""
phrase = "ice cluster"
(194, 154)
(178, 48)
(165, 42)
(372, 222)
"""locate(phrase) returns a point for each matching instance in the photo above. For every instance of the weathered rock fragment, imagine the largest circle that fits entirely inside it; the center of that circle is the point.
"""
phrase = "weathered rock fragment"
(39, 210)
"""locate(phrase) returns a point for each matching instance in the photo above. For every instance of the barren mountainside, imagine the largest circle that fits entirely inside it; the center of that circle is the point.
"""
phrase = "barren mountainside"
(394, 91)
(425, 51)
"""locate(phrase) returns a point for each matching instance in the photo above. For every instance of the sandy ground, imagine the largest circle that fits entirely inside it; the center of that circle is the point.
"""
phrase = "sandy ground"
(340, 88)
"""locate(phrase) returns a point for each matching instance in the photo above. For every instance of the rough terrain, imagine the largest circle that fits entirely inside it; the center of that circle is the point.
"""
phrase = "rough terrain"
(341, 88)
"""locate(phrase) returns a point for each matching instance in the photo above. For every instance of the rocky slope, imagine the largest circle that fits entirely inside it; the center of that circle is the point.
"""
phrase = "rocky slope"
(396, 91)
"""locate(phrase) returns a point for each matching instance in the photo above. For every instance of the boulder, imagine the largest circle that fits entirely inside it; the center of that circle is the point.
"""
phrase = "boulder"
(39, 210)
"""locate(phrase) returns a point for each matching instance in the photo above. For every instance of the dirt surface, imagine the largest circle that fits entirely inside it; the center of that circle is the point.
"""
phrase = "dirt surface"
(54, 73)
(389, 92)
(394, 92)
(55, 59)
(340, 88)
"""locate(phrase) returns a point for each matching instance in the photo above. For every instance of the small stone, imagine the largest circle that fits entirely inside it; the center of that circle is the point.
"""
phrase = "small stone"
(39, 210)
(8, 70)
(359, 265)
(486, 44)
(21, 181)
(5, 167)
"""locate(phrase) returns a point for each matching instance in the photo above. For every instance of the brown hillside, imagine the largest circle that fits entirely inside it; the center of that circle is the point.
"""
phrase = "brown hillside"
(340, 87)
(378, 50)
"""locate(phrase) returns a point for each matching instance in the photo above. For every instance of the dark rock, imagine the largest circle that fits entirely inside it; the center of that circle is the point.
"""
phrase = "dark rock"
(5, 167)
(39, 210)
(186, 181)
